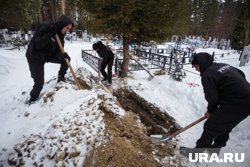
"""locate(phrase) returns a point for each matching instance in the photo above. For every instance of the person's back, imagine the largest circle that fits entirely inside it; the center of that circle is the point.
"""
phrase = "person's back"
(107, 60)
(230, 83)
(40, 44)
(228, 95)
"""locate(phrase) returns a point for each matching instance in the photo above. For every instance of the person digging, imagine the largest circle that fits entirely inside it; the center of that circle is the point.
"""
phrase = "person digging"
(44, 48)
(227, 93)
(107, 60)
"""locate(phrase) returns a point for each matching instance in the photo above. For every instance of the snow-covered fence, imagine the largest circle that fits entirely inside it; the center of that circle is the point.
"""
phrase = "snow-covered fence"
(176, 56)
(157, 61)
(220, 56)
(93, 61)
(147, 59)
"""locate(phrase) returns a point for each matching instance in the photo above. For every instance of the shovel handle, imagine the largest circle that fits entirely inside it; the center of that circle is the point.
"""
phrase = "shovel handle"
(67, 61)
(187, 127)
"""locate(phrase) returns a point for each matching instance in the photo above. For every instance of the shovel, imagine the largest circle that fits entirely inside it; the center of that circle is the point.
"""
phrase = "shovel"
(151, 76)
(67, 61)
(165, 137)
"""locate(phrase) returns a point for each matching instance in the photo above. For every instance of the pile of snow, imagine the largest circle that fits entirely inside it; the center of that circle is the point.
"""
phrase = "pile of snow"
(60, 128)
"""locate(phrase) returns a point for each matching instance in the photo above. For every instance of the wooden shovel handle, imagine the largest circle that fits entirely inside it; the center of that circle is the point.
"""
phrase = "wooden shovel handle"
(67, 61)
(188, 126)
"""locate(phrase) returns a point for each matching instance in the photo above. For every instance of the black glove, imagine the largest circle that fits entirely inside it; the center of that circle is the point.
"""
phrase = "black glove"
(65, 55)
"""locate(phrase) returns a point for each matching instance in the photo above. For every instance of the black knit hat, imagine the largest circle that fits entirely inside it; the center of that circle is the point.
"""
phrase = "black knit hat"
(97, 45)
(63, 21)
(195, 59)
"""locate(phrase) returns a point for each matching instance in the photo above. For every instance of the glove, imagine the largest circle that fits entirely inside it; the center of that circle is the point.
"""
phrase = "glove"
(207, 115)
(62, 56)
(65, 56)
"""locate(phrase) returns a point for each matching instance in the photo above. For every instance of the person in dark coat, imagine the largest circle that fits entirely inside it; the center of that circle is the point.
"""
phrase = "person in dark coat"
(44, 48)
(107, 60)
(228, 95)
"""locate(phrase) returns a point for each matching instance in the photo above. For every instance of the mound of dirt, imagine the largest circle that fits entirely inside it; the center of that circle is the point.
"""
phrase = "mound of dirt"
(127, 145)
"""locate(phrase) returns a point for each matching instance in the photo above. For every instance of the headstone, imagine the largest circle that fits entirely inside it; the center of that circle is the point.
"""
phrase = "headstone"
(154, 48)
(85, 36)
(174, 38)
(74, 37)
(222, 44)
(228, 44)
(244, 57)
(214, 43)
(26, 37)
(19, 34)
(29, 35)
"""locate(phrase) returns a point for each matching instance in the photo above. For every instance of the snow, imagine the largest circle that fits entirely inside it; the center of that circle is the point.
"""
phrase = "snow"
(186, 103)
(182, 100)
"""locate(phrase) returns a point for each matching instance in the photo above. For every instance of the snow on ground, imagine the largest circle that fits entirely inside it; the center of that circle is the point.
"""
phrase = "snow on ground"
(186, 102)
(182, 100)
(58, 116)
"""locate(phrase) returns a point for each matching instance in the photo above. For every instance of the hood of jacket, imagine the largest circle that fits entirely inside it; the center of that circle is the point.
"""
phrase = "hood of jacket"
(204, 60)
(62, 22)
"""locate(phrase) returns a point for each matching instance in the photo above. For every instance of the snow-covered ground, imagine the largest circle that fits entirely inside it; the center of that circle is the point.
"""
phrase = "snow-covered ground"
(185, 100)
(182, 100)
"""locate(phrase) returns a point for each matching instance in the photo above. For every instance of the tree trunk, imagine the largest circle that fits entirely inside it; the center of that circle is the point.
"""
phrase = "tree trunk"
(124, 68)
(246, 24)
(62, 7)
(53, 10)
(247, 27)
(40, 14)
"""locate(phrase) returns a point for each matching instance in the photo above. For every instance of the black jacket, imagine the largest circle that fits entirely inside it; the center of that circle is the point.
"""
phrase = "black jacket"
(223, 84)
(104, 52)
(43, 43)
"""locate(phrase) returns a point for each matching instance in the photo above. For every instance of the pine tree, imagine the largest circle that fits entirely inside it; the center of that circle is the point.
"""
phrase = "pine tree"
(197, 16)
(241, 34)
(210, 10)
(133, 20)
(178, 74)
(18, 14)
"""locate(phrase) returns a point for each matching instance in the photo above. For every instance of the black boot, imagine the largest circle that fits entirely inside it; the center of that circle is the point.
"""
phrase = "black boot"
(185, 151)
(61, 78)
(109, 83)
(32, 100)
(215, 148)
(104, 79)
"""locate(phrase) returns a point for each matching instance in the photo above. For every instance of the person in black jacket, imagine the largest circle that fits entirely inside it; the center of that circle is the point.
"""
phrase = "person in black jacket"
(228, 95)
(107, 60)
(44, 48)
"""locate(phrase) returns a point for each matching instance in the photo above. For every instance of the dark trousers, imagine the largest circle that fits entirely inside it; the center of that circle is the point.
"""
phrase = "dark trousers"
(107, 62)
(220, 124)
(37, 73)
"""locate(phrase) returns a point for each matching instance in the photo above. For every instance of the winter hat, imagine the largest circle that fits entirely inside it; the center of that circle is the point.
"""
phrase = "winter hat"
(195, 59)
(204, 60)
(63, 21)
(97, 45)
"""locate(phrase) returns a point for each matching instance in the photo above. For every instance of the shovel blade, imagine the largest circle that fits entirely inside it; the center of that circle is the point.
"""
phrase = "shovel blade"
(150, 78)
(159, 138)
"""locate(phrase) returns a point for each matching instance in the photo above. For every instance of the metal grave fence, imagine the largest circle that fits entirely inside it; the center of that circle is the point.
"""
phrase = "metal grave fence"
(147, 59)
